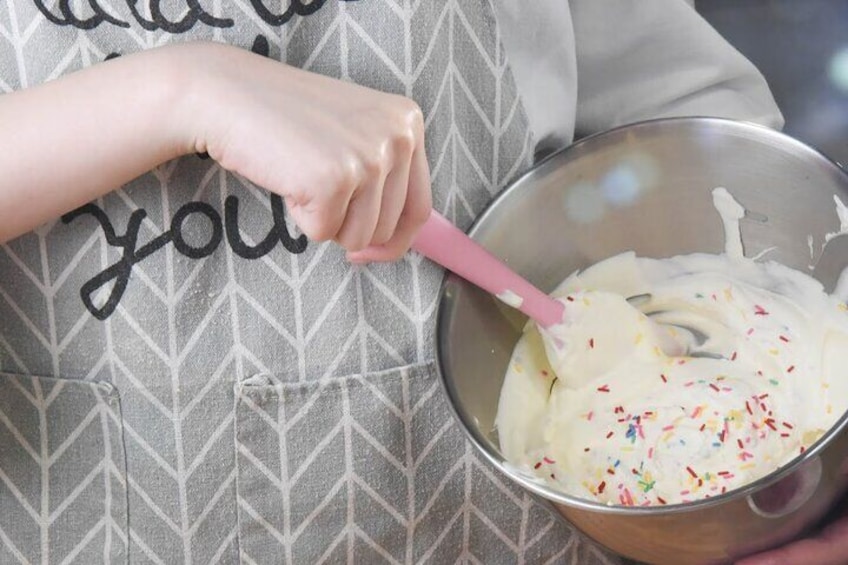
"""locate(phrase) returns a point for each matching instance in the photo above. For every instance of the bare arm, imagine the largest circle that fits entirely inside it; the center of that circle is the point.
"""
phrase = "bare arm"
(71, 140)
(349, 161)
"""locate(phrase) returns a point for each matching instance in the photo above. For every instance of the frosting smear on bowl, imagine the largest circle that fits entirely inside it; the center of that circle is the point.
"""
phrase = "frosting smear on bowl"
(757, 380)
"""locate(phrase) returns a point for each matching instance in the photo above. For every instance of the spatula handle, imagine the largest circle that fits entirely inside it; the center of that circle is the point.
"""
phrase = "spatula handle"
(442, 242)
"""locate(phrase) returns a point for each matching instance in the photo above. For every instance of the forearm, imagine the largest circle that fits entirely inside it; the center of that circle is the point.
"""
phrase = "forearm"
(349, 161)
(71, 140)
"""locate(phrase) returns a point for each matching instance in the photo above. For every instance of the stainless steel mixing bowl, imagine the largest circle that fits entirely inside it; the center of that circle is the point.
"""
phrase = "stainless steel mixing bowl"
(647, 187)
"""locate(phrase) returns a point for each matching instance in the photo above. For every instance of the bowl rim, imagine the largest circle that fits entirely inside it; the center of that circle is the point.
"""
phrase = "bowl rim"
(542, 489)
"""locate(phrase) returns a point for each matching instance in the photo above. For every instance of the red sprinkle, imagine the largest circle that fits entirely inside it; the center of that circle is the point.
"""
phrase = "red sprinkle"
(714, 387)
(660, 500)
(750, 331)
(740, 444)
(650, 453)
(604, 388)
(784, 339)
(544, 373)
(760, 311)
(692, 472)
(537, 465)
(609, 435)
(733, 357)
(748, 408)
(548, 461)
(770, 423)
(788, 425)
(790, 369)
(665, 380)
(601, 487)
(784, 434)
(591, 343)
(570, 298)
(585, 449)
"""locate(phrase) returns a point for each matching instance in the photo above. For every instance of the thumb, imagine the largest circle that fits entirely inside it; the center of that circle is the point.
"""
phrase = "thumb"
(829, 547)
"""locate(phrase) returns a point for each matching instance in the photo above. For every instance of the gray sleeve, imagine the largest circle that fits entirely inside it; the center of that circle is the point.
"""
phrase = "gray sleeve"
(538, 39)
(659, 58)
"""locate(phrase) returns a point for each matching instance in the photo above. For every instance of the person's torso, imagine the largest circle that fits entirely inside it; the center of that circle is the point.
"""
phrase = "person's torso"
(187, 379)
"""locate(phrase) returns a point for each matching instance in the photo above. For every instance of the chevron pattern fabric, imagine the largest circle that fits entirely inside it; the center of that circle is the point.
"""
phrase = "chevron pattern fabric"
(240, 395)
(62, 458)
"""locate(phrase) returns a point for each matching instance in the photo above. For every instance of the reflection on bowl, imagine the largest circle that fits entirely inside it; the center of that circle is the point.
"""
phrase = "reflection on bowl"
(647, 188)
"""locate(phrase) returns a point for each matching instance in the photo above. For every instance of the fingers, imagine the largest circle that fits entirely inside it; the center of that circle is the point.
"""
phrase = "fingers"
(830, 547)
(406, 196)
(395, 191)
(360, 177)
(363, 214)
(321, 214)
(373, 215)
(415, 212)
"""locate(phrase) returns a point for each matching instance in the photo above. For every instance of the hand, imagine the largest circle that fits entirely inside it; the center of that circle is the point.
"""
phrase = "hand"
(828, 546)
(349, 161)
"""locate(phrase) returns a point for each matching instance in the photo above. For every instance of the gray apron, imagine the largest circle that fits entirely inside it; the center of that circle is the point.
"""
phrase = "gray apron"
(185, 379)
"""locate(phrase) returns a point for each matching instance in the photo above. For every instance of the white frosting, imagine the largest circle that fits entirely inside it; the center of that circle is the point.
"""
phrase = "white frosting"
(842, 214)
(731, 212)
(509, 298)
(622, 422)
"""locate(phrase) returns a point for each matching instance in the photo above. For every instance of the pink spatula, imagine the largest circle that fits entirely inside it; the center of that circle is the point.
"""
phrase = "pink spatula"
(445, 244)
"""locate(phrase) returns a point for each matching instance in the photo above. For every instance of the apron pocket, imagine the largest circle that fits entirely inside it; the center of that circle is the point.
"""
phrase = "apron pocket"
(374, 469)
(63, 492)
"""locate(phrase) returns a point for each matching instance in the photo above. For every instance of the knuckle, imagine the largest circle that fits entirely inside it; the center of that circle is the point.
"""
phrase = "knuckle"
(407, 121)
(371, 164)
(413, 116)
(404, 141)
(334, 173)
(361, 163)
(340, 176)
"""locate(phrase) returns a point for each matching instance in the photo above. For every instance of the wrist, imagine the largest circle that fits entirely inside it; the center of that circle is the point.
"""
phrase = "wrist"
(196, 81)
(178, 94)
